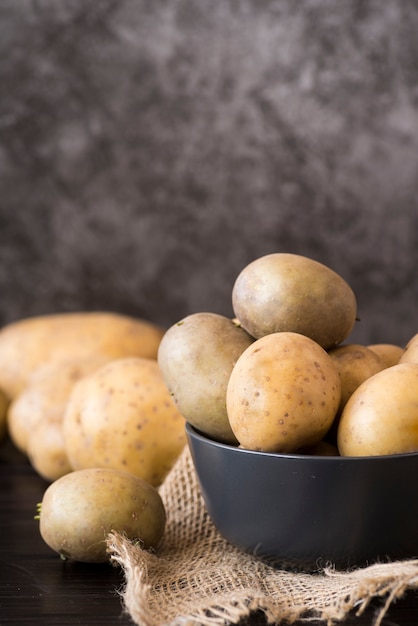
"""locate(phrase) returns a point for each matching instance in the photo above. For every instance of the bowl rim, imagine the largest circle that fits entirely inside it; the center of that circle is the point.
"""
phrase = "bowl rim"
(197, 434)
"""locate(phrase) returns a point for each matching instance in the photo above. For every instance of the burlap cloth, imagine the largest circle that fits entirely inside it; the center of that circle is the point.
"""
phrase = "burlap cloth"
(196, 577)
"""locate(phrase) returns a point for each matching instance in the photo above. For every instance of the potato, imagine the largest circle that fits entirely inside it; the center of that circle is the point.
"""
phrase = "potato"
(196, 356)
(46, 395)
(355, 363)
(46, 449)
(283, 393)
(27, 344)
(80, 509)
(410, 354)
(123, 417)
(322, 448)
(292, 293)
(381, 417)
(4, 406)
(389, 353)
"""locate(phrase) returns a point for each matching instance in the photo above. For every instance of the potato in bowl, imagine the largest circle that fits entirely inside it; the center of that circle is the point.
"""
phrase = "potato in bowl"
(302, 511)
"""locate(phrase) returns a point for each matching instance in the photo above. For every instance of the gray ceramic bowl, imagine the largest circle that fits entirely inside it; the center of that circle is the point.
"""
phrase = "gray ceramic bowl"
(303, 512)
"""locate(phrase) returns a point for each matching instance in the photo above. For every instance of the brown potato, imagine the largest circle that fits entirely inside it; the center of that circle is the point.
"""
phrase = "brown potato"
(46, 395)
(292, 293)
(46, 449)
(381, 417)
(80, 509)
(283, 393)
(389, 353)
(27, 344)
(123, 417)
(355, 363)
(196, 356)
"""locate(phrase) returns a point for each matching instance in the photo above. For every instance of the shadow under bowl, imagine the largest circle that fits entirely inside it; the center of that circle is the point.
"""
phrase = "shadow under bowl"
(305, 512)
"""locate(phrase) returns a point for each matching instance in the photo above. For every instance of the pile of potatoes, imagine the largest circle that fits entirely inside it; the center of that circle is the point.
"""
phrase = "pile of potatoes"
(281, 375)
(98, 401)
(83, 392)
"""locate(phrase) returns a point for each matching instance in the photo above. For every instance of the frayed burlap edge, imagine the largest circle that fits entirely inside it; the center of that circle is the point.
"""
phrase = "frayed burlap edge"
(197, 578)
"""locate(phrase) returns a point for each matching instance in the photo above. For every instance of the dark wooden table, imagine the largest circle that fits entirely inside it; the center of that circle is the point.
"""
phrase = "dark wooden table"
(36, 587)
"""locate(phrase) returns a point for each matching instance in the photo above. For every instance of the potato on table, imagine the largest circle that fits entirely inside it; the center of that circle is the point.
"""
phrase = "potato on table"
(45, 396)
(122, 416)
(46, 449)
(29, 343)
(79, 510)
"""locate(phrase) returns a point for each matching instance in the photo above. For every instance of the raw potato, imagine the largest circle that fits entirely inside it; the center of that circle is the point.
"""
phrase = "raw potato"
(322, 448)
(45, 397)
(355, 363)
(122, 416)
(381, 417)
(196, 357)
(27, 344)
(389, 353)
(292, 293)
(79, 510)
(410, 354)
(283, 393)
(4, 405)
(46, 449)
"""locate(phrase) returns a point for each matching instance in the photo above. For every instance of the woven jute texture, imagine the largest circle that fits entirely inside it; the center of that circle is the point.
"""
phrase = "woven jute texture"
(197, 578)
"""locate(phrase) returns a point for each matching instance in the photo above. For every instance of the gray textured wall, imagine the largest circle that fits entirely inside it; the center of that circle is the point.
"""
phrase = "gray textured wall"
(149, 149)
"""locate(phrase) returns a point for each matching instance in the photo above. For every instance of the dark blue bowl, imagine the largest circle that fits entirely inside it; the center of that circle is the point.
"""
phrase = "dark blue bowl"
(304, 512)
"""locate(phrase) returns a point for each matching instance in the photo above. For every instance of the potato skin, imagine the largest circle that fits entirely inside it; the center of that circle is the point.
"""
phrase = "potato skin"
(292, 293)
(4, 406)
(123, 417)
(46, 449)
(389, 353)
(410, 354)
(45, 396)
(381, 417)
(27, 344)
(283, 393)
(355, 363)
(196, 356)
(79, 510)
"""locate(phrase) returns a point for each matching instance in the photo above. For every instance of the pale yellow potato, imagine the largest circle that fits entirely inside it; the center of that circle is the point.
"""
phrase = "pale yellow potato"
(410, 354)
(283, 393)
(388, 352)
(29, 343)
(123, 417)
(80, 509)
(381, 417)
(355, 363)
(45, 396)
(4, 405)
(46, 449)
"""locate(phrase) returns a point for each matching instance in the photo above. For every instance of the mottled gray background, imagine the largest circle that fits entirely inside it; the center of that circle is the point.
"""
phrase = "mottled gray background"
(150, 149)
